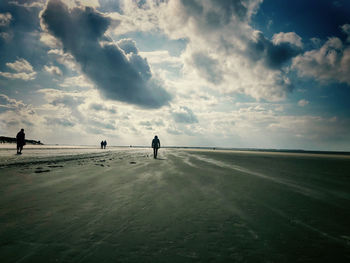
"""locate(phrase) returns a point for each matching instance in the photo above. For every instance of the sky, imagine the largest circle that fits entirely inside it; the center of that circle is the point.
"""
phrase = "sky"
(211, 73)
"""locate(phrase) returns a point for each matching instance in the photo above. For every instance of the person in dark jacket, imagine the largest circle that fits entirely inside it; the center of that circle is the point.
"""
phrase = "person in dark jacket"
(155, 146)
(20, 141)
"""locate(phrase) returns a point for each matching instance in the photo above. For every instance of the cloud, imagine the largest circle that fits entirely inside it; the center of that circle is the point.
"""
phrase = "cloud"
(303, 103)
(10, 104)
(207, 67)
(99, 107)
(102, 125)
(53, 70)
(59, 121)
(65, 59)
(346, 29)
(5, 19)
(76, 81)
(118, 76)
(330, 62)
(290, 37)
(23, 68)
(146, 123)
(223, 50)
(20, 65)
(128, 45)
(49, 40)
(64, 102)
(22, 75)
(28, 3)
(162, 57)
(184, 115)
(67, 100)
(274, 54)
(14, 114)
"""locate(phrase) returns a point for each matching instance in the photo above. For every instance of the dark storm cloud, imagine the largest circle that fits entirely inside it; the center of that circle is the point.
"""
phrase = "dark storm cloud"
(140, 64)
(184, 115)
(273, 56)
(119, 77)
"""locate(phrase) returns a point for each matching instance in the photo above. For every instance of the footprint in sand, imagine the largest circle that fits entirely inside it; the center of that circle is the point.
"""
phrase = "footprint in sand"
(132, 162)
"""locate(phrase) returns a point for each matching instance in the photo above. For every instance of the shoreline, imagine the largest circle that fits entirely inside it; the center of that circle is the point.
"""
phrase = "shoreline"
(344, 154)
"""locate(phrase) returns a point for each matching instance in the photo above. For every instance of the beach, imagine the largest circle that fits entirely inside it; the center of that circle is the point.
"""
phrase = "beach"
(84, 204)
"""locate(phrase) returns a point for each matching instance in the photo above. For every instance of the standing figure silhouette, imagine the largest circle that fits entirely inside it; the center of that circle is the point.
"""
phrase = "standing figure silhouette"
(20, 141)
(155, 146)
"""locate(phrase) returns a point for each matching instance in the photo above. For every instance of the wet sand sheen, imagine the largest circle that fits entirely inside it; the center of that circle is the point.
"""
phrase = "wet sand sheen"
(188, 206)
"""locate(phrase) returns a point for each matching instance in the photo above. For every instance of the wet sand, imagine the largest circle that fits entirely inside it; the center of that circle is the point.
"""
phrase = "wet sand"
(121, 205)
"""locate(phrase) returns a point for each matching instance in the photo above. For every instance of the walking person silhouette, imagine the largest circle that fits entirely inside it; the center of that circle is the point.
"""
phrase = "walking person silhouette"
(155, 146)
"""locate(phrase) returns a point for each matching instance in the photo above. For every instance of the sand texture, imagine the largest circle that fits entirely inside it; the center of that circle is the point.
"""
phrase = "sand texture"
(121, 205)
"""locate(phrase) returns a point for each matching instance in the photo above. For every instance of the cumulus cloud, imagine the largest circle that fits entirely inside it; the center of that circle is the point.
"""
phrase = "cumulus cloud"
(184, 115)
(5, 19)
(23, 70)
(15, 114)
(346, 29)
(274, 54)
(53, 70)
(117, 75)
(128, 45)
(330, 62)
(223, 50)
(20, 65)
(29, 3)
(303, 102)
(7, 103)
(49, 40)
(290, 37)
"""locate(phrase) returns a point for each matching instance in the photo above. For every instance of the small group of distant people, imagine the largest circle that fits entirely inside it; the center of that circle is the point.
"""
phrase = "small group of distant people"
(21, 142)
(103, 144)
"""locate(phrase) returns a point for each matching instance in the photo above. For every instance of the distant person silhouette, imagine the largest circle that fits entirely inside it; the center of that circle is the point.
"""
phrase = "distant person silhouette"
(104, 144)
(155, 146)
(20, 141)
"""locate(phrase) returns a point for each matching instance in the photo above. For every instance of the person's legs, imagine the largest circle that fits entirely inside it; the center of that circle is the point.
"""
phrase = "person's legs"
(156, 152)
(19, 148)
